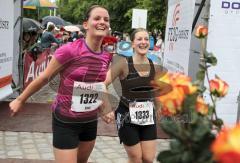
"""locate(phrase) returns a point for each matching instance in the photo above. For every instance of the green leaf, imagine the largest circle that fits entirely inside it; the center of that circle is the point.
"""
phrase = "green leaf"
(171, 127)
(202, 89)
(210, 110)
(202, 67)
(201, 128)
(169, 157)
(201, 75)
(187, 157)
(218, 122)
(194, 117)
(202, 149)
(189, 103)
(204, 155)
(176, 146)
(211, 59)
(197, 82)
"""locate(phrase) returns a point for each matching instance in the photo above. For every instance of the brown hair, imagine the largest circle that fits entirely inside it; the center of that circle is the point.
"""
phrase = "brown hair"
(132, 37)
(50, 27)
(88, 13)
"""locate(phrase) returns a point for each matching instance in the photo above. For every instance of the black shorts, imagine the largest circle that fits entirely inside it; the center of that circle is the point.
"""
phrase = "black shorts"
(131, 134)
(68, 135)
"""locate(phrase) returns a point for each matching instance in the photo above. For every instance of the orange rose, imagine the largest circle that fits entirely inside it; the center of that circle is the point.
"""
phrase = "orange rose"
(227, 145)
(172, 102)
(181, 86)
(179, 76)
(229, 157)
(201, 31)
(201, 106)
(162, 79)
(184, 82)
(218, 87)
(178, 80)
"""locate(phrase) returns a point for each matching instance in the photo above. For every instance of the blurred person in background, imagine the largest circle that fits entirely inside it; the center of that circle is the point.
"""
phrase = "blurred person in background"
(48, 39)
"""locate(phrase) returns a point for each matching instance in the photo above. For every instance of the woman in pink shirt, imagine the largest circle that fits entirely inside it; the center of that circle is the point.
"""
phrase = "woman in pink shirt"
(82, 66)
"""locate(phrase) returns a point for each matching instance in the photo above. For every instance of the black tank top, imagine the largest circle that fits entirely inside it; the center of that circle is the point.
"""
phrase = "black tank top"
(136, 87)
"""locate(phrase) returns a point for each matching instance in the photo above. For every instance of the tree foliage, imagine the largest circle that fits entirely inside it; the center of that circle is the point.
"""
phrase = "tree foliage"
(157, 12)
(120, 12)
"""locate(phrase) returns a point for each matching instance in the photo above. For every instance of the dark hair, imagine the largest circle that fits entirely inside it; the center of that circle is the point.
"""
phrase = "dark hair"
(132, 37)
(51, 27)
(40, 20)
(87, 15)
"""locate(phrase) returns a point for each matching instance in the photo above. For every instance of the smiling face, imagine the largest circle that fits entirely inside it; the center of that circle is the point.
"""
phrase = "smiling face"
(97, 23)
(140, 42)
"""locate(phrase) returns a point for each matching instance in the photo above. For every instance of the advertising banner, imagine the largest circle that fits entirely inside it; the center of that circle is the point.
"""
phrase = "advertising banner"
(32, 68)
(6, 46)
(223, 41)
(178, 35)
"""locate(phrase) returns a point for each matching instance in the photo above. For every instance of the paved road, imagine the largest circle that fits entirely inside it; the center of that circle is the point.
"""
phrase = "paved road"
(38, 146)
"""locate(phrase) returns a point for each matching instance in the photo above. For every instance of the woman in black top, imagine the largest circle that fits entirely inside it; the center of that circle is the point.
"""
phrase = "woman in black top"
(135, 115)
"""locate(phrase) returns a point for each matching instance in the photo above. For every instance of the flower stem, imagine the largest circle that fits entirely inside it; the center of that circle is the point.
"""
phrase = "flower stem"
(204, 64)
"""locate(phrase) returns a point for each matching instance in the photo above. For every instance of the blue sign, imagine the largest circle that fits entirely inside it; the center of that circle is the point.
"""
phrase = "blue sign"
(124, 48)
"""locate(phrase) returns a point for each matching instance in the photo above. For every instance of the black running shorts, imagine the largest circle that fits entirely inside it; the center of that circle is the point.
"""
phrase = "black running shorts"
(131, 134)
(68, 135)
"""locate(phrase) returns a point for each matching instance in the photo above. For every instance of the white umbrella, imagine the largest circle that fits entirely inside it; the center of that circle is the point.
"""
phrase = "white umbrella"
(71, 28)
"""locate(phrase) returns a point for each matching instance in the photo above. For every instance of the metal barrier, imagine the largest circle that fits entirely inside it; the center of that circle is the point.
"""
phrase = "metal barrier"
(238, 111)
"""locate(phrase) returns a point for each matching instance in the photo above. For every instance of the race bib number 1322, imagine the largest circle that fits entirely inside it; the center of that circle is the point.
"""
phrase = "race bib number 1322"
(87, 96)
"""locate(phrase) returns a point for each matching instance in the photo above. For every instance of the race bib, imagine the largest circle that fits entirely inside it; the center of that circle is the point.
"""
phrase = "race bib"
(141, 113)
(87, 96)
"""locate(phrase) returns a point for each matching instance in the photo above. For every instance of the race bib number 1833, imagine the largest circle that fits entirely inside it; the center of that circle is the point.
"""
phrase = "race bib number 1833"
(141, 113)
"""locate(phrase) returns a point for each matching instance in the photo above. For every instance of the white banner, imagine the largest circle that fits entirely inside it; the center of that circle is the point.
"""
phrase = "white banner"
(178, 35)
(6, 46)
(223, 41)
(139, 18)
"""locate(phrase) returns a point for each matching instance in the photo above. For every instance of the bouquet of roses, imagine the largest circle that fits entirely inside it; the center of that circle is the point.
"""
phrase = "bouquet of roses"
(191, 122)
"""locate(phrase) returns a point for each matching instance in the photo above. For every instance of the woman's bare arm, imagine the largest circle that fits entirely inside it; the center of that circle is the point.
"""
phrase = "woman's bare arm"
(116, 69)
(52, 69)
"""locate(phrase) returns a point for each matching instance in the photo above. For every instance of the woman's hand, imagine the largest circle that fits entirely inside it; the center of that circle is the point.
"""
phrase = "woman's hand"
(15, 106)
(109, 117)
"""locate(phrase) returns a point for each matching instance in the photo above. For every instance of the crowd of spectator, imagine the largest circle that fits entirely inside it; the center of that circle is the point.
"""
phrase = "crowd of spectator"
(51, 36)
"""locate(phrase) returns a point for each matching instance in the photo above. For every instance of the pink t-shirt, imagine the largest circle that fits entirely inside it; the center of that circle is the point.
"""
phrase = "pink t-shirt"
(80, 64)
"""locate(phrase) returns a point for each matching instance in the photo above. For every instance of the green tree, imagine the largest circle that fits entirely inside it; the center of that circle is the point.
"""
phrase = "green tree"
(120, 12)
(157, 13)
(36, 13)
(74, 10)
